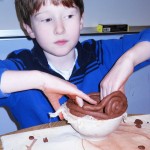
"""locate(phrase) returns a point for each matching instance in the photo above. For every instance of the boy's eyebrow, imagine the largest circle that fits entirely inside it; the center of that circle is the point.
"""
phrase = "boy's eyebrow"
(38, 13)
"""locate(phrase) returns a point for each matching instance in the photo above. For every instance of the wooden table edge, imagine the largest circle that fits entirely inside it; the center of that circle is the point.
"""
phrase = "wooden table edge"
(43, 126)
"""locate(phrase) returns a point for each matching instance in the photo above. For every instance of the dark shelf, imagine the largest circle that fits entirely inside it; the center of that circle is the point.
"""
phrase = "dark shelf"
(87, 31)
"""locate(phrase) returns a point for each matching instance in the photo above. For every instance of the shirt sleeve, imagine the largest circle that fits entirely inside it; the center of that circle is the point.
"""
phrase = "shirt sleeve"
(2, 95)
(5, 65)
(113, 49)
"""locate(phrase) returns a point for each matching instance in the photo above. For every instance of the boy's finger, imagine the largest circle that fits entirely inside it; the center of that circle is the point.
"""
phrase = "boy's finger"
(54, 100)
(85, 97)
(61, 116)
(79, 101)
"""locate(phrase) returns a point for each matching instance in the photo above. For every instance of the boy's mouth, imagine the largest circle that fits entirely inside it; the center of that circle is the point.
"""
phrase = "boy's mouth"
(61, 42)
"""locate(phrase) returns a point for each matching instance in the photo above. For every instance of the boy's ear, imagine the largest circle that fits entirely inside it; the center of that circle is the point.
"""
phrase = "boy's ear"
(29, 30)
(81, 21)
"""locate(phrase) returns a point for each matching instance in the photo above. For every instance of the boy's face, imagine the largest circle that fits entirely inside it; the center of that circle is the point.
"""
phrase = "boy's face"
(56, 28)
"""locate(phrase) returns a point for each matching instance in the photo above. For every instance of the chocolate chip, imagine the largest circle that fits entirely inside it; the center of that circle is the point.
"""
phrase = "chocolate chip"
(141, 147)
(45, 140)
(138, 121)
(31, 137)
(138, 125)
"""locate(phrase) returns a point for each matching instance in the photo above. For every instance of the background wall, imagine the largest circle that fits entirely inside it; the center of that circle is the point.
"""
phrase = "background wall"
(132, 12)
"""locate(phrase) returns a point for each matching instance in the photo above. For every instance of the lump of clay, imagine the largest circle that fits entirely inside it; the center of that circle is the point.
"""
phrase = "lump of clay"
(112, 106)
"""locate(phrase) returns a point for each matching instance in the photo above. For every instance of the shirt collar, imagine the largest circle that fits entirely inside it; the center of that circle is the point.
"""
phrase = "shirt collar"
(86, 54)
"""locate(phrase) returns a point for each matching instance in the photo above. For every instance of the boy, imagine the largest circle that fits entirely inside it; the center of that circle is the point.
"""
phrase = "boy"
(54, 26)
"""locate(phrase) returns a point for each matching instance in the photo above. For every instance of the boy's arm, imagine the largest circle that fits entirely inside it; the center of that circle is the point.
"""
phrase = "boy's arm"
(14, 81)
(117, 76)
(123, 68)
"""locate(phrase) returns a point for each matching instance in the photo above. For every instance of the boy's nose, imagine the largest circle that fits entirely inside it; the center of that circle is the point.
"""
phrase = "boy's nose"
(59, 28)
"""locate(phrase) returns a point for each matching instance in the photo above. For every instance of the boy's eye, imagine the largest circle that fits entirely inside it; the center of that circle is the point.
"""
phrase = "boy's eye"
(47, 20)
(68, 16)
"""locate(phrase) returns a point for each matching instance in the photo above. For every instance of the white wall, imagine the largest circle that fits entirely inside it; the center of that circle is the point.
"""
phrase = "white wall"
(8, 15)
(132, 12)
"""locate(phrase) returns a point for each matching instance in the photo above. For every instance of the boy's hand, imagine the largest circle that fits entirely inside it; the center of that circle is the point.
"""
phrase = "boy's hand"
(119, 74)
(54, 100)
(116, 78)
(54, 88)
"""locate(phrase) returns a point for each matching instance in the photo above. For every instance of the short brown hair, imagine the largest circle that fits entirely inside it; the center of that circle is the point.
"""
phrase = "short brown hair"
(26, 8)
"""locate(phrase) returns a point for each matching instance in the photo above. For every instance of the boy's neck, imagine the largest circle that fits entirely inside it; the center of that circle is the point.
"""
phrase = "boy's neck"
(63, 62)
